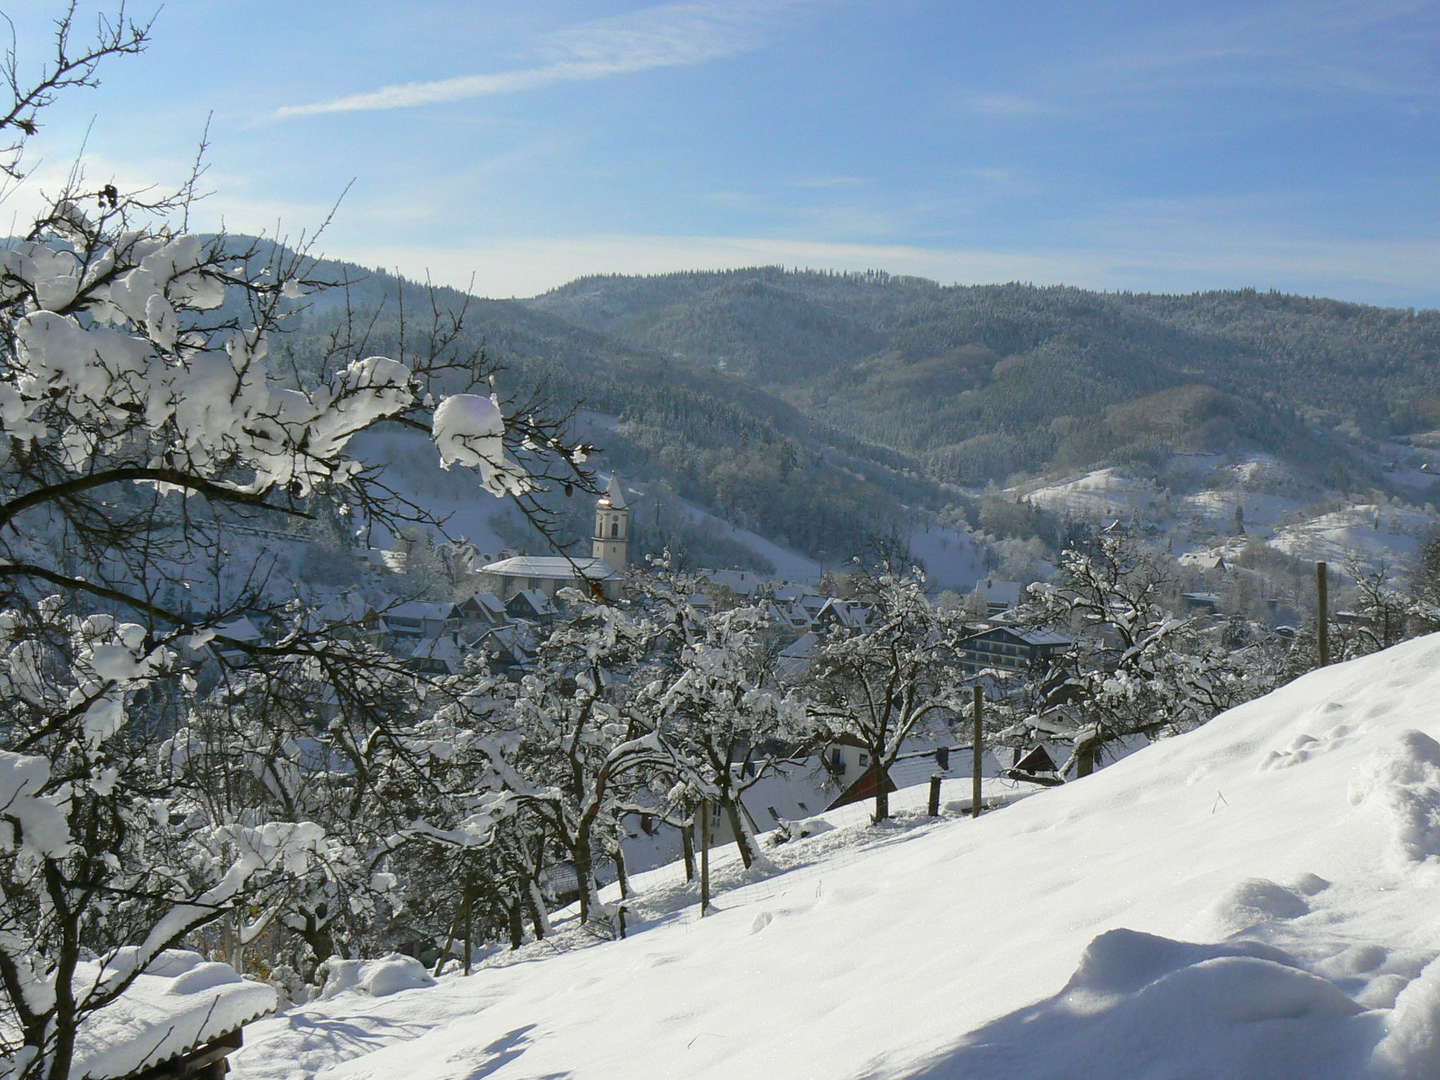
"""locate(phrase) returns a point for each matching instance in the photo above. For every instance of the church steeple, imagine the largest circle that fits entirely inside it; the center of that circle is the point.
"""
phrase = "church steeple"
(612, 526)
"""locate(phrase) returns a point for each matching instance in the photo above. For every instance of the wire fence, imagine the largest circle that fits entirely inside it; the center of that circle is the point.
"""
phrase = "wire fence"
(793, 860)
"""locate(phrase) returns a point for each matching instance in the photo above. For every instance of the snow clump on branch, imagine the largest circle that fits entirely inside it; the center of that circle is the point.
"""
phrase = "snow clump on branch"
(469, 429)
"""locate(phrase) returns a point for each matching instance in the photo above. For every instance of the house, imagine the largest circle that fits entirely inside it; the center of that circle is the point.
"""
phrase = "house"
(1012, 648)
(996, 596)
(241, 632)
(850, 615)
(787, 616)
(179, 1020)
(857, 775)
(532, 605)
(438, 655)
(734, 584)
(478, 613)
(506, 648)
(416, 619)
(794, 661)
(1200, 601)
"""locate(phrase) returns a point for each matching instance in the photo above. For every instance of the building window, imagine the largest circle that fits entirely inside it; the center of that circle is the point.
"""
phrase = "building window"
(614, 529)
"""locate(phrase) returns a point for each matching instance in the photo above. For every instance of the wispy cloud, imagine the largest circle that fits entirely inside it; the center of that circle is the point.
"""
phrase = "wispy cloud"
(829, 183)
(1311, 50)
(1005, 105)
(661, 36)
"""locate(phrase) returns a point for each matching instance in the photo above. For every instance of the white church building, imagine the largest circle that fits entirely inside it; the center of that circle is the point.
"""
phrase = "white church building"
(603, 570)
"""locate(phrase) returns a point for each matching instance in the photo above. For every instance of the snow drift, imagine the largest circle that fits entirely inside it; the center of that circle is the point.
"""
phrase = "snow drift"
(1254, 899)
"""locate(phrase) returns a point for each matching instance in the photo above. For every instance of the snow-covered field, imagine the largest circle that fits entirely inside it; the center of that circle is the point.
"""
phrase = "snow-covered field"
(1104, 494)
(1255, 899)
(1369, 531)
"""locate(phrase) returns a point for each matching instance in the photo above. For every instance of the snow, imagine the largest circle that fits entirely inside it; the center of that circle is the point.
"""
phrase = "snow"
(469, 429)
(951, 557)
(1101, 495)
(180, 1002)
(377, 978)
(1366, 530)
(28, 820)
(1255, 898)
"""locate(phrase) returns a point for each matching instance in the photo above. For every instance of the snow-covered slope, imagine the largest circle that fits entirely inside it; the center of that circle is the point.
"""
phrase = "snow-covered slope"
(1366, 530)
(1255, 899)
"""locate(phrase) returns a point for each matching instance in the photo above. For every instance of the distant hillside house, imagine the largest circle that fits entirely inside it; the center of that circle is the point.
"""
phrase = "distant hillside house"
(1011, 648)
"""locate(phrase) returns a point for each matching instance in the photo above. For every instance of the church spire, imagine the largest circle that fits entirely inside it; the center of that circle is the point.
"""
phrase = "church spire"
(611, 541)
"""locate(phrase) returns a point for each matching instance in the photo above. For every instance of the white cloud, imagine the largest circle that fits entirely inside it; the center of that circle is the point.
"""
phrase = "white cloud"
(663, 35)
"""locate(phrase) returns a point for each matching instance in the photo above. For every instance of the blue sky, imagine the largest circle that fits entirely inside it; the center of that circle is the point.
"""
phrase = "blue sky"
(1161, 147)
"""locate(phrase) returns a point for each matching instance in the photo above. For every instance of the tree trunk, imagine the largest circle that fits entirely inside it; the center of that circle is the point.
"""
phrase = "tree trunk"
(744, 843)
(620, 876)
(882, 795)
(687, 847)
(517, 924)
(539, 917)
(469, 909)
(320, 941)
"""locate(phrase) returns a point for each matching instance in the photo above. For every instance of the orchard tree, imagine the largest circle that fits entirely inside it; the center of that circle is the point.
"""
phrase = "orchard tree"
(571, 749)
(717, 702)
(1137, 668)
(890, 680)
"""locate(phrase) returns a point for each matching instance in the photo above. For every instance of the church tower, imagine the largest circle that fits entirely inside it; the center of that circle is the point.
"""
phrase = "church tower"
(612, 526)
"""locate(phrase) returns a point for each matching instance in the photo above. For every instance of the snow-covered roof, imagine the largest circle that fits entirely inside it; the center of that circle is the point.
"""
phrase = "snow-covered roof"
(419, 609)
(740, 582)
(180, 1003)
(490, 605)
(794, 790)
(536, 600)
(551, 566)
(1030, 635)
(912, 769)
(241, 629)
(849, 613)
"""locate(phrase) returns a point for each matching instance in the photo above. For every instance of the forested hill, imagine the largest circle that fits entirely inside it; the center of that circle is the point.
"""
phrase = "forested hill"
(982, 382)
(673, 426)
(833, 412)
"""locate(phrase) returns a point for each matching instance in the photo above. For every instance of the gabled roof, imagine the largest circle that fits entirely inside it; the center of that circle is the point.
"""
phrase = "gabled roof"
(1028, 635)
(740, 582)
(535, 600)
(419, 609)
(849, 613)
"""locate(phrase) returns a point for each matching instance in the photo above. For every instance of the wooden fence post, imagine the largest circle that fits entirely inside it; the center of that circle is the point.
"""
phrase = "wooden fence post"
(704, 858)
(977, 749)
(1322, 614)
(935, 795)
